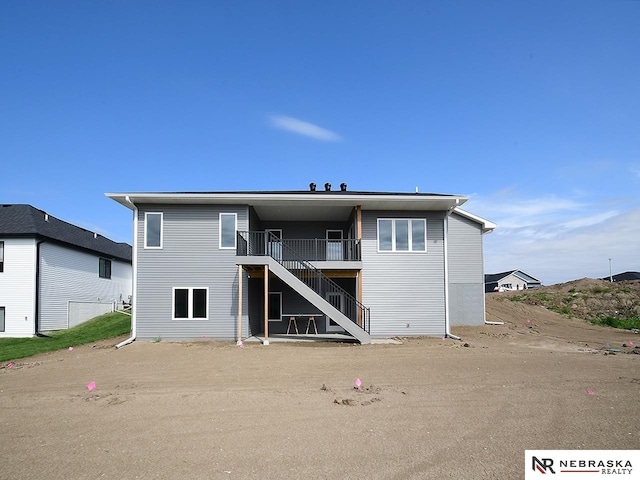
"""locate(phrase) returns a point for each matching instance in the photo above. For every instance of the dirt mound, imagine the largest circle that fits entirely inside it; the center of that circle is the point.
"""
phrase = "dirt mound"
(586, 298)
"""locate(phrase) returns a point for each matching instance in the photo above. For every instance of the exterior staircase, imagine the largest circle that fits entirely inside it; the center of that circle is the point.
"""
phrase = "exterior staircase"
(305, 279)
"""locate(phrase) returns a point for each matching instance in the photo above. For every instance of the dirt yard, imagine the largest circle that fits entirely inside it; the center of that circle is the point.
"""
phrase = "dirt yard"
(426, 409)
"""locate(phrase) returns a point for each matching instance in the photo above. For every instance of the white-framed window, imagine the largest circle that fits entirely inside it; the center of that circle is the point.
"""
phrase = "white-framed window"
(402, 235)
(190, 303)
(228, 223)
(2, 317)
(275, 306)
(104, 268)
(153, 226)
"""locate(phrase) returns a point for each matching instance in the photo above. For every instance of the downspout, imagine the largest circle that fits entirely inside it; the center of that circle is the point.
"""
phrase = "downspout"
(447, 327)
(134, 291)
(36, 316)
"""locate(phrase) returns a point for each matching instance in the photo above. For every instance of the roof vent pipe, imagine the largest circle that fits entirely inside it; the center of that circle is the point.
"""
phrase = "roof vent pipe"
(312, 187)
(327, 187)
(46, 217)
(343, 187)
(95, 235)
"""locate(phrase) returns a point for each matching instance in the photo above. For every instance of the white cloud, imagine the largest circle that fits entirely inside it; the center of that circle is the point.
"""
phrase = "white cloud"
(558, 239)
(301, 127)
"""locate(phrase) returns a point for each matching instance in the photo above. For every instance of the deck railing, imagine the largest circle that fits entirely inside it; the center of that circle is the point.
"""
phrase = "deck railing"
(265, 243)
(311, 250)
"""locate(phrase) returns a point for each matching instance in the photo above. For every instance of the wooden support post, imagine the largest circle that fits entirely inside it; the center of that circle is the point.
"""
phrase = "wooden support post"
(266, 305)
(239, 305)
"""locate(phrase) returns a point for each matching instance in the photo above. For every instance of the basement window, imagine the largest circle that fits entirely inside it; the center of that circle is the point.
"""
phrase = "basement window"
(1, 256)
(190, 303)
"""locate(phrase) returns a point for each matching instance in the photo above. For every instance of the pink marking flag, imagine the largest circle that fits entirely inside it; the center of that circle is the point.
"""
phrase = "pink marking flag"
(91, 386)
(631, 343)
(10, 365)
(590, 392)
(528, 321)
(71, 349)
(358, 383)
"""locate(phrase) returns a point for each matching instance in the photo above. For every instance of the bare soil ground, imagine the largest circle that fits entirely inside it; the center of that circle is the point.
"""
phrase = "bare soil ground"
(427, 408)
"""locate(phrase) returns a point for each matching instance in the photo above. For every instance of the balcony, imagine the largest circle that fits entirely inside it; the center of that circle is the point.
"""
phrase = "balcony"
(321, 252)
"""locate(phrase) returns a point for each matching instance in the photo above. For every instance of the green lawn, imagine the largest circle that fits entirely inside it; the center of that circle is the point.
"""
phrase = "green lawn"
(105, 326)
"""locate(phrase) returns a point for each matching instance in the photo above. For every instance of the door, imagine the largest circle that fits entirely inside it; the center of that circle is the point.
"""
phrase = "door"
(274, 243)
(336, 299)
(334, 245)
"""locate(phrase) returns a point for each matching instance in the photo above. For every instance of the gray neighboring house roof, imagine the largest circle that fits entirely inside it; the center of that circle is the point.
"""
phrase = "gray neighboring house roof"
(26, 221)
(624, 276)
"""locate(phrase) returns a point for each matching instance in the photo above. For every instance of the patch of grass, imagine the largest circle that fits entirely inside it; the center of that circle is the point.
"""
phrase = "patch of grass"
(102, 327)
(563, 310)
(528, 297)
(628, 323)
(601, 289)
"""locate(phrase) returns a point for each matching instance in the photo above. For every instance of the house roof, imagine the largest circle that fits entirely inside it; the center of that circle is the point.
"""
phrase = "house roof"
(20, 220)
(300, 204)
(624, 276)
(487, 226)
(496, 277)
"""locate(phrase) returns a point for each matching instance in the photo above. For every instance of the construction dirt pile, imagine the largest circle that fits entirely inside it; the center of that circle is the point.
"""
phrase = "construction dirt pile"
(587, 298)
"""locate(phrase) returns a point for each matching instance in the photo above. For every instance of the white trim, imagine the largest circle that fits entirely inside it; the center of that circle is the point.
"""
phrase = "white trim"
(393, 235)
(487, 226)
(189, 303)
(235, 230)
(146, 247)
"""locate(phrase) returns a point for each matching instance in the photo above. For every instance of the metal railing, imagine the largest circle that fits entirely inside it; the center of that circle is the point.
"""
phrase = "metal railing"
(267, 244)
(310, 250)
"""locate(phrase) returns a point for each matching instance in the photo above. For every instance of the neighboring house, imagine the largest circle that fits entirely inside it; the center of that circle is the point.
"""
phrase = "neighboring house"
(511, 280)
(237, 264)
(623, 276)
(54, 274)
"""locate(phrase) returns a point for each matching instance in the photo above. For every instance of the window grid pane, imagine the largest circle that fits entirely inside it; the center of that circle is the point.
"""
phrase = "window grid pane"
(153, 230)
(418, 236)
(227, 230)
(385, 228)
(402, 235)
(199, 303)
(181, 303)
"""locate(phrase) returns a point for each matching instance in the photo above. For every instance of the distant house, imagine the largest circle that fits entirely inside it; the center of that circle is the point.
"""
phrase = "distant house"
(54, 274)
(511, 280)
(367, 264)
(623, 276)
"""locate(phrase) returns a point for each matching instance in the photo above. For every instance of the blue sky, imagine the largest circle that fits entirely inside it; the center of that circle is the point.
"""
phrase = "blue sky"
(530, 108)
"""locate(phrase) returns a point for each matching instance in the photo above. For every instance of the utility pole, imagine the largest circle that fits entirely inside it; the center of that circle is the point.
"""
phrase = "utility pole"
(610, 276)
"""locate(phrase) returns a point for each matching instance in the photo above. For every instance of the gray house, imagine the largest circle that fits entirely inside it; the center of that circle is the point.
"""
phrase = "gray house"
(54, 275)
(367, 264)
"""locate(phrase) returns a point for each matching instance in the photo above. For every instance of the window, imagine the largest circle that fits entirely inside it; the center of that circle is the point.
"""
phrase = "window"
(1, 256)
(153, 230)
(402, 235)
(104, 268)
(1, 319)
(228, 230)
(190, 303)
(275, 306)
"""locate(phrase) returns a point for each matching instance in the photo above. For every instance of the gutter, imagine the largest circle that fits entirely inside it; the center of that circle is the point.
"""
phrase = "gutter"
(447, 326)
(134, 261)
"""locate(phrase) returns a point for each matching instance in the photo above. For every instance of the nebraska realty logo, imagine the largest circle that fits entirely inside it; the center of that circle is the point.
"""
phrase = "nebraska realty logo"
(581, 464)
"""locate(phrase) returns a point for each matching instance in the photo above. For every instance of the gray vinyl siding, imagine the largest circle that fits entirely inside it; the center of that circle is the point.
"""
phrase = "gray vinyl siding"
(405, 291)
(466, 275)
(190, 257)
(67, 275)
